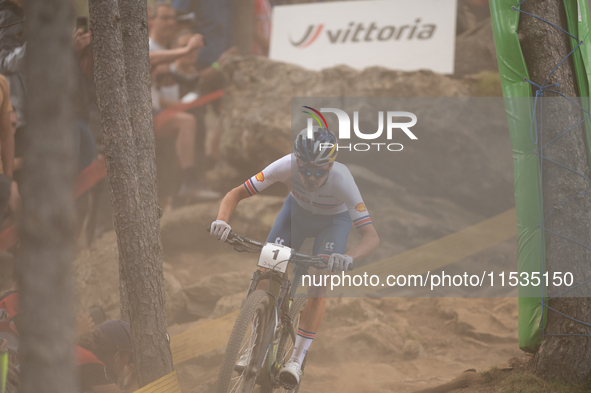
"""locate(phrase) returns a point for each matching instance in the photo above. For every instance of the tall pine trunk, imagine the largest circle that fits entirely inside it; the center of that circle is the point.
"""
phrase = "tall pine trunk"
(564, 357)
(46, 225)
(128, 147)
(145, 280)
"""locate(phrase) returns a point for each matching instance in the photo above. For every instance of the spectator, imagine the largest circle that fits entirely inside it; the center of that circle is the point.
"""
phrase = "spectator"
(6, 147)
(183, 69)
(215, 20)
(85, 142)
(110, 354)
(12, 53)
(162, 33)
(182, 127)
(165, 94)
(210, 80)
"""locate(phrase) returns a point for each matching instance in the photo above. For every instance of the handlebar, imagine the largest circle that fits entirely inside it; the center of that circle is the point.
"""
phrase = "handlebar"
(244, 244)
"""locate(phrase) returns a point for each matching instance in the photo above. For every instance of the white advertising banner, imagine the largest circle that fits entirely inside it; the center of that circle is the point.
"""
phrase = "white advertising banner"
(406, 35)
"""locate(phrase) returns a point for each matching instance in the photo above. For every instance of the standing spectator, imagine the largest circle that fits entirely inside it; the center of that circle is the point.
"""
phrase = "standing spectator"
(215, 21)
(6, 146)
(12, 52)
(85, 142)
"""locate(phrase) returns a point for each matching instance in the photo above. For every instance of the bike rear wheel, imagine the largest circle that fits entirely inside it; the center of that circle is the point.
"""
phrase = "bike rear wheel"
(285, 346)
(244, 345)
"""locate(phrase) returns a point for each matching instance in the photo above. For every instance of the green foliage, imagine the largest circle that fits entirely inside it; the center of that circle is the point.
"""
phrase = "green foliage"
(490, 374)
(529, 383)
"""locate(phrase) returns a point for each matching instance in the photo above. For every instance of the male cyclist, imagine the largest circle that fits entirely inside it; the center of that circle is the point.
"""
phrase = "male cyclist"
(322, 204)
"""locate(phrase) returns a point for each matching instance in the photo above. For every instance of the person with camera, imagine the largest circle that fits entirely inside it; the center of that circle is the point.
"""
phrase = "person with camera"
(162, 33)
(110, 354)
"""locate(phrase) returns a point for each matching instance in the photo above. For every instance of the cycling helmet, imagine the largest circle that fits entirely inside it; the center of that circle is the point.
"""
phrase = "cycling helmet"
(314, 151)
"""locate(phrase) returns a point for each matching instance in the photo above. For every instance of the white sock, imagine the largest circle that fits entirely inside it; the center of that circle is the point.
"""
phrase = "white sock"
(301, 346)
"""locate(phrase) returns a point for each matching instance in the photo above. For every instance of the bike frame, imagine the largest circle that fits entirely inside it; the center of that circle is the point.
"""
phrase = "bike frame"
(280, 289)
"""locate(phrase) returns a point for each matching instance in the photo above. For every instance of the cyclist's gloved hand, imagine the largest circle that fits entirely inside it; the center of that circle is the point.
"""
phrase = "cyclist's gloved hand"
(339, 262)
(220, 229)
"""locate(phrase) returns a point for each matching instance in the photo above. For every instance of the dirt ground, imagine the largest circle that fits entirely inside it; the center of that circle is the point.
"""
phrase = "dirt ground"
(371, 344)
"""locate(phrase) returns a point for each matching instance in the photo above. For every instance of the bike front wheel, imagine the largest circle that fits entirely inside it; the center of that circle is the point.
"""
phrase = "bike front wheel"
(238, 372)
(285, 347)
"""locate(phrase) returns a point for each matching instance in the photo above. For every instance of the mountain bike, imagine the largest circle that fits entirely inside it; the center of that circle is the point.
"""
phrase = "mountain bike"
(263, 336)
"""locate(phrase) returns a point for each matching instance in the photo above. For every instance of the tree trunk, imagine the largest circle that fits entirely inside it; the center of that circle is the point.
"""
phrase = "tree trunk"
(46, 225)
(244, 26)
(145, 280)
(567, 358)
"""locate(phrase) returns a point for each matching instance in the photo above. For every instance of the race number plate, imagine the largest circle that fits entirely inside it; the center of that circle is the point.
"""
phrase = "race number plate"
(275, 257)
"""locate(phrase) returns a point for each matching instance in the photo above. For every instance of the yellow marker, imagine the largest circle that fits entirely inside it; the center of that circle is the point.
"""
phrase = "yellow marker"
(166, 384)
(441, 252)
(202, 338)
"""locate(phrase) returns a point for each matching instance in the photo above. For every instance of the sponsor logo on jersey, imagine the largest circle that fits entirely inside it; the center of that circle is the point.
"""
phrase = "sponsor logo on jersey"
(260, 177)
(360, 207)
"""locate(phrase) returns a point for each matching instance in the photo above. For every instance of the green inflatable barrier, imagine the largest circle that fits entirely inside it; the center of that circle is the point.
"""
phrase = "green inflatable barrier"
(526, 167)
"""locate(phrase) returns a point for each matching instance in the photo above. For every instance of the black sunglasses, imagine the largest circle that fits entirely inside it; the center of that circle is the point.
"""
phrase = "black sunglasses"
(317, 173)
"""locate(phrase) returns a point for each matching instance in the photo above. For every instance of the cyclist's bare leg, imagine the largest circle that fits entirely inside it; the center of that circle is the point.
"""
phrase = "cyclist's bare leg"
(310, 320)
(313, 312)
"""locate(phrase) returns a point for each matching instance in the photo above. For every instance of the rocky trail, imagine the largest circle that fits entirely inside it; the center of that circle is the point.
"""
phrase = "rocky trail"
(400, 344)
(457, 176)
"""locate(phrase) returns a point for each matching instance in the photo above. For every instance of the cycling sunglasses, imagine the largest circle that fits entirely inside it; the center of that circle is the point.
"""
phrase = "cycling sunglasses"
(317, 173)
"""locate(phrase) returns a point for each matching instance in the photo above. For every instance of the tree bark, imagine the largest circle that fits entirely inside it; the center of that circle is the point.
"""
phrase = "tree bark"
(144, 280)
(244, 26)
(567, 358)
(129, 152)
(46, 224)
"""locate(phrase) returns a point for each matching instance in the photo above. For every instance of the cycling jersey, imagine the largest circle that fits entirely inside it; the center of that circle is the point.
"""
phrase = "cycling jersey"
(338, 194)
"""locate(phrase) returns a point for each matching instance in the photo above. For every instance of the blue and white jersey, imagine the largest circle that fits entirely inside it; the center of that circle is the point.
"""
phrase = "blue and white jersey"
(338, 194)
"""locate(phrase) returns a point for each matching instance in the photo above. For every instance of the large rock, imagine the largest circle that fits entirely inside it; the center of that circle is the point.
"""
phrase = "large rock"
(203, 295)
(463, 153)
(185, 229)
(97, 280)
(255, 137)
(176, 302)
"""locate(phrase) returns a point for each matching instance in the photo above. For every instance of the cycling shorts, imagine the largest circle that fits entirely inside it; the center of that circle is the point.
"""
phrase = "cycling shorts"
(294, 224)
